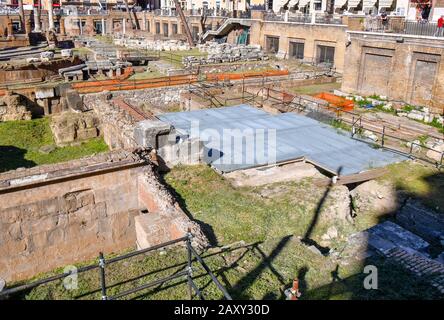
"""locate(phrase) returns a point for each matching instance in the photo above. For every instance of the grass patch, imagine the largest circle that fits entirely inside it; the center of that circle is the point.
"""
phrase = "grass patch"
(105, 39)
(237, 213)
(436, 124)
(339, 124)
(316, 88)
(20, 142)
(268, 219)
(81, 50)
(408, 108)
(146, 75)
(420, 181)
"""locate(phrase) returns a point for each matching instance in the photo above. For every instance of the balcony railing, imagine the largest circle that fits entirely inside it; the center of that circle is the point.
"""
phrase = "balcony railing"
(303, 18)
(8, 11)
(214, 12)
(401, 26)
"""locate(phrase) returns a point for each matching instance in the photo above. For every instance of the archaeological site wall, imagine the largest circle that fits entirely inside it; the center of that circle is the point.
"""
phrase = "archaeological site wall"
(37, 71)
(313, 39)
(404, 68)
(55, 215)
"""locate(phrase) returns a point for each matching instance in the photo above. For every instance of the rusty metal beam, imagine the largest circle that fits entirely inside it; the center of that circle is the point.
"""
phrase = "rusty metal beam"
(184, 22)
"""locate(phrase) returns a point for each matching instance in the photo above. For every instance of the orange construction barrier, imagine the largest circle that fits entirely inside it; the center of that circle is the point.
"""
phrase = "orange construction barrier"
(340, 102)
(245, 75)
(122, 82)
(116, 84)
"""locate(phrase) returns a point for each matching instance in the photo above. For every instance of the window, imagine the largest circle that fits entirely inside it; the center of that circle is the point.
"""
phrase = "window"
(174, 28)
(157, 27)
(165, 29)
(326, 54)
(16, 26)
(98, 26)
(297, 50)
(195, 33)
(83, 23)
(272, 44)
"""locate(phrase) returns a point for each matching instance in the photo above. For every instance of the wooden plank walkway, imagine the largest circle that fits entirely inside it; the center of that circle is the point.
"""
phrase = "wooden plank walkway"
(353, 178)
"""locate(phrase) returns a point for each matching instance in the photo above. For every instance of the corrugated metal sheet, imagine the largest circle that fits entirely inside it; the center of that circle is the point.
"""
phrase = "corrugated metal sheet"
(296, 136)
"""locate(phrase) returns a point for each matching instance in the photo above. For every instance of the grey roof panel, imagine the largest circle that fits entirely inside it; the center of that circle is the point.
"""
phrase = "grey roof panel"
(296, 136)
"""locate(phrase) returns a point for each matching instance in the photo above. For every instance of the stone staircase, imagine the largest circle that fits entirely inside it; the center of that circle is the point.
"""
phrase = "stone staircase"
(402, 246)
(226, 27)
(421, 266)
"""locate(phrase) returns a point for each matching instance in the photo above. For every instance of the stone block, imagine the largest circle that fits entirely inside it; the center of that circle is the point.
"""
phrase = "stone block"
(146, 132)
(151, 229)
(146, 198)
(44, 93)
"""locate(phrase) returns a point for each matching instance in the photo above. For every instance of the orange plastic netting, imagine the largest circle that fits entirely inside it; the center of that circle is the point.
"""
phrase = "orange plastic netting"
(340, 102)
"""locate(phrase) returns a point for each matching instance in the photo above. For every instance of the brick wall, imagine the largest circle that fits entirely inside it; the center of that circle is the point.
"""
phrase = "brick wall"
(408, 70)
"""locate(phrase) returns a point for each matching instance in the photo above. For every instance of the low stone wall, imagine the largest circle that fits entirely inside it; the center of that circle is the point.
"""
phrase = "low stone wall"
(28, 72)
(116, 125)
(55, 215)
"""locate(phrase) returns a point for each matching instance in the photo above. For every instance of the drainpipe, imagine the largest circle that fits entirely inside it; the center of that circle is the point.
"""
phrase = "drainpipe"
(50, 16)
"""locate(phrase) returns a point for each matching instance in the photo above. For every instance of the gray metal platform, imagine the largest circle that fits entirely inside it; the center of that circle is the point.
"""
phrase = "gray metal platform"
(296, 137)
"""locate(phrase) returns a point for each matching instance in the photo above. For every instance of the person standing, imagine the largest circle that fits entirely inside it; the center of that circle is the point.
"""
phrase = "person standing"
(425, 13)
(440, 27)
(384, 20)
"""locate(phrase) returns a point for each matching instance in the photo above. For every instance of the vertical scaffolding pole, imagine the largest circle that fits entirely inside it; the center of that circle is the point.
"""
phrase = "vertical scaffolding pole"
(190, 270)
(102, 275)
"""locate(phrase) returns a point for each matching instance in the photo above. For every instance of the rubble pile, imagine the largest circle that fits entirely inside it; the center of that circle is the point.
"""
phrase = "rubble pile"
(13, 107)
(225, 52)
(418, 113)
(156, 45)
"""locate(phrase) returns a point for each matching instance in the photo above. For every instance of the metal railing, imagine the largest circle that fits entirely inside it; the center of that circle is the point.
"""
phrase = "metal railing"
(8, 11)
(328, 19)
(214, 12)
(103, 263)
(320, 18)
(376, 24)
(295, 103)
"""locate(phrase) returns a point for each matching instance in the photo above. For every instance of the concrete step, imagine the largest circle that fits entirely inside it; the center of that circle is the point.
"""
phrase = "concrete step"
(421, 221)
(388, 235)
(154, 228)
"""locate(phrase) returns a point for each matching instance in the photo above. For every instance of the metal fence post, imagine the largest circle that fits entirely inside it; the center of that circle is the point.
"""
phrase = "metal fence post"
(190, 270)
(442, 159)
(383, 136)
(102, 275)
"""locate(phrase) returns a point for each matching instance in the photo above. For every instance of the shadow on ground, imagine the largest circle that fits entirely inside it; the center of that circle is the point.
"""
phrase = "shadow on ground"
(12, 158)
